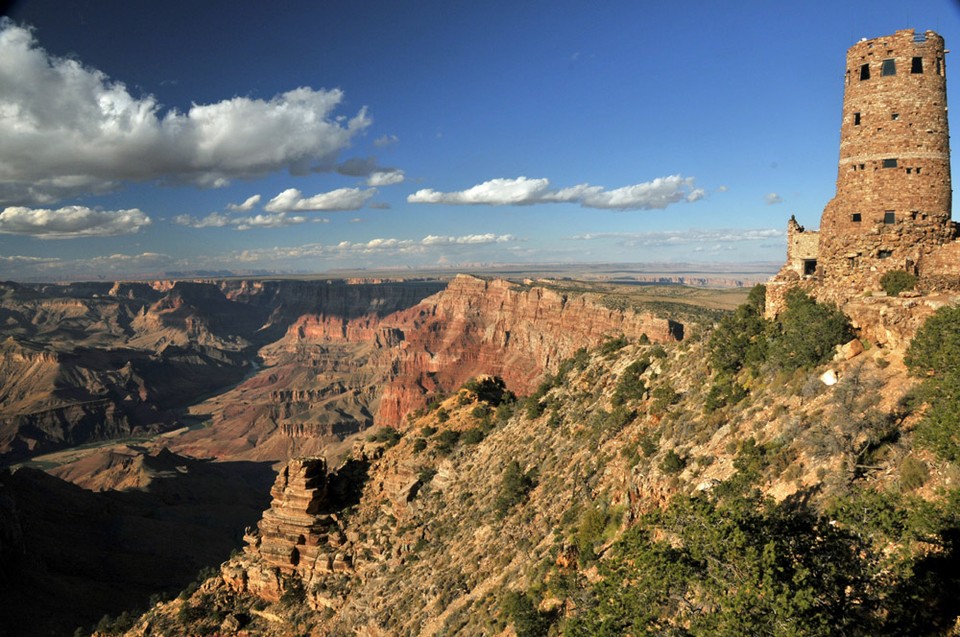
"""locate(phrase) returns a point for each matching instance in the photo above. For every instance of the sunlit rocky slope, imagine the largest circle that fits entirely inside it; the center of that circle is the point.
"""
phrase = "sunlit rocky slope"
(624, 495)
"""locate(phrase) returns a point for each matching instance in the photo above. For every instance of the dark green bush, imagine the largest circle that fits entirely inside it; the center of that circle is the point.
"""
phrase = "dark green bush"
(522, 612)
(672, 462)
(934, 356)
(612, 345)
(472, 436)
(387, 435)
(489, 389)
(896, 281)
(514, 487)
(808, 332)
(629, 385)
(447, 440)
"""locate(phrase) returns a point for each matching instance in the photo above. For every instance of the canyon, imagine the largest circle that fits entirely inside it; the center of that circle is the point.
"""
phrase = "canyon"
(144, 400)
(471, 456)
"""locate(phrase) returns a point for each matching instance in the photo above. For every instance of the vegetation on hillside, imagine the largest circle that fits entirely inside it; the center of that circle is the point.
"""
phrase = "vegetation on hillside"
(611, 502)
(745, 344)
(934, 356)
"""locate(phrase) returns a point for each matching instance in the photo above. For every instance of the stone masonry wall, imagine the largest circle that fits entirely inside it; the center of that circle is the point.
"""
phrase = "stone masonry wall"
(892, 205)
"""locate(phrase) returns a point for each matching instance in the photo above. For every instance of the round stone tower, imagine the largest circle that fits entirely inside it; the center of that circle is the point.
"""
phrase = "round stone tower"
(892, 205)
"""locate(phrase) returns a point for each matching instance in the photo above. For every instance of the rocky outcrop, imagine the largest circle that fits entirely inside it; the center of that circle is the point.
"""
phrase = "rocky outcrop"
(297, 536)
(495, 327)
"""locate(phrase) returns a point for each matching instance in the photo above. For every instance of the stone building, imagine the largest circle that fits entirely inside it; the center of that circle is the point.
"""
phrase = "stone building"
(892, 205)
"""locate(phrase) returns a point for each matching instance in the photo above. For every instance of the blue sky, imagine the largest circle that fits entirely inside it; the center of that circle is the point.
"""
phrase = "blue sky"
(144, 137)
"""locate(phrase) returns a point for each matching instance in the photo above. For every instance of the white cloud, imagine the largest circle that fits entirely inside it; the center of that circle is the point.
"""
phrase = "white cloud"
(212, 220)
(656, 194)
(385, 178)
(66, 129)
(247, 205)
(470, 239)
(278, 220)
(112, 265)
(292, 199)
(772, 198)
(70, 222)
(390, 247)
(220, 220)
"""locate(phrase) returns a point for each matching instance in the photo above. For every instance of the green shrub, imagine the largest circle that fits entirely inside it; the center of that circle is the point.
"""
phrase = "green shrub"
(896, 281)
(808, 332)
(522, 612)
(913, 473)
(514, 487)
(663, 396)
(447, 440)
(934, 356)
(472, 436)
(673, 463)
(489, 389)
(741, 339)
(612, 345)
(629, 385)
(597, 524)
(387, 435)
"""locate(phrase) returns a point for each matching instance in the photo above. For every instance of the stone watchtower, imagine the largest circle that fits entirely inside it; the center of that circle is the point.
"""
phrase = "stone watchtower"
(891, 210)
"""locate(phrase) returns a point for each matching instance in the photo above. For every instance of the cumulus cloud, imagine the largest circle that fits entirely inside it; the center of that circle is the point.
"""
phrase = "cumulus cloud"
(772, 198)
(67, 129)
(292, 199)
(470, 239)
(386, 178)
(652, 195)
(278, 220)
(71, 222)
(379, 246)
(111, 265)
(212, 220)
(220, 220)
(247, 205)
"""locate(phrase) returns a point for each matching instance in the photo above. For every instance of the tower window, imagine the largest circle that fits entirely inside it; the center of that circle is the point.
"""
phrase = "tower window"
(889, 217)
(856, 119)
(884, 254)
(809, 267)
(856, 217)
(889, 163)
(889, 67)
(909, 170)
(865, 71)
(939, 67)
(916, 66)
(894, 116)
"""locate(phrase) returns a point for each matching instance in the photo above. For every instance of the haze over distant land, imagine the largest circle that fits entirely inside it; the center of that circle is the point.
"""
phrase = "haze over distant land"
(142, 141)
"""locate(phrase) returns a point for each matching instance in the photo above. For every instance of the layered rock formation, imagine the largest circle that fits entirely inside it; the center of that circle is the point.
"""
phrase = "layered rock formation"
(295, 536)
(97, 361)
(334, 374)
(495, 327)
